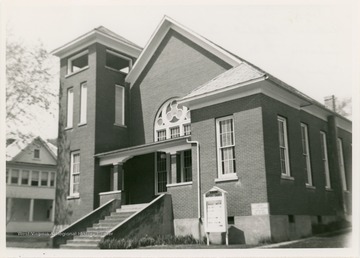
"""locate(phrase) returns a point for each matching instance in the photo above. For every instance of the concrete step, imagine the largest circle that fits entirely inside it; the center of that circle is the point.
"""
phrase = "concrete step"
(131, 207)
(115, 219)
(83, 241)
(123, 214)
(88, 237)
(79, 246)
(108, 222)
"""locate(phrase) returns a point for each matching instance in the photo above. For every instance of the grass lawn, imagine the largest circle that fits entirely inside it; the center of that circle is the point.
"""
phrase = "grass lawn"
(27, 241)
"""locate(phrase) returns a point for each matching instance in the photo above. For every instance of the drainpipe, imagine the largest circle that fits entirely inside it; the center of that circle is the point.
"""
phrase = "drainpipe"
(198, 175)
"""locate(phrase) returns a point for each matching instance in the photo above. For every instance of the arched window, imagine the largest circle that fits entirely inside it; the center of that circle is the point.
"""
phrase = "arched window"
(172, 121)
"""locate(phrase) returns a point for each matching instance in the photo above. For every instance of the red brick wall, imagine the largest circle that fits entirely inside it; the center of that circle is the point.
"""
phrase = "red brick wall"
(177, 67)
(249, 149)
(80, 138)
(292, 196)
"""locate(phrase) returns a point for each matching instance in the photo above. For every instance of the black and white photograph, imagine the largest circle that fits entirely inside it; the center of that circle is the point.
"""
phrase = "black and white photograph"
(180, 128)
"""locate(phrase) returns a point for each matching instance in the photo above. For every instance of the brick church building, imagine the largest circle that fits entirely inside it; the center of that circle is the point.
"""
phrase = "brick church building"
(150, 130)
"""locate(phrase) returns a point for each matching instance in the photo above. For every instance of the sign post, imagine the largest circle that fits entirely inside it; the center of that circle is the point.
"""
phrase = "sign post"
(215, 211)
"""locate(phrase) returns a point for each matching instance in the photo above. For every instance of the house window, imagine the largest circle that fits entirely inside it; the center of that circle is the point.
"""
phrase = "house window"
(118, 62)
(306, 154)
(70, 108)
(342, 165)
(161, 135)
(171, 120)
(75, 173)
(15, 176)
(7, 175)
(161, 172)
(52, 179)
(226, 146)
(44, 177)
(36, 154)
(325, 161)
(187, 129)
(34, 178)
(119, 105)
(183, 166)
(175, 132)
(83, 103)
(25, 177)
(283, 145)
(78, 62)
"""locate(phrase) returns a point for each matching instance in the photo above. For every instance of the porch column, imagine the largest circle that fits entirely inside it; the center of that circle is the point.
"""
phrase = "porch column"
(9, 209)
(31, 212)
(53, 211)
(118, 177)
(173, 167)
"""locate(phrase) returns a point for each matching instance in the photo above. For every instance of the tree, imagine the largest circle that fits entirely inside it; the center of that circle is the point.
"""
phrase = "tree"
(30, 87)
(343, 106)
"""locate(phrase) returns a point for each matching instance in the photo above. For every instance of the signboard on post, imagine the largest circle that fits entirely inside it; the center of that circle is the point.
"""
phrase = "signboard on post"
(215, 211)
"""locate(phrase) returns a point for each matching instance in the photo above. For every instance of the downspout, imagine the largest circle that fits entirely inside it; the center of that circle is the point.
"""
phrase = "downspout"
(198, 175)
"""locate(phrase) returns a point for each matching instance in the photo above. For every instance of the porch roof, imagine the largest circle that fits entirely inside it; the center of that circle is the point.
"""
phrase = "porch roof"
(122, 155)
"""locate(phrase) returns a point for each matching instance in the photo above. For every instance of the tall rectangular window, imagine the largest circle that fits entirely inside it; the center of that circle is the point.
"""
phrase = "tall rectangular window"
(70, 108)
(306, 154)
(187, 129)
(44, 177)
(342, 165)
(325, 161)
(225, 146)
(161, 135)
(74, 173)
(183, 166)
(25, 177)
(34, 178)
(283, 145)
(161, 172)
(83, 103)
(119, 105)
(15, 176)
(52, 179)
(37, 154)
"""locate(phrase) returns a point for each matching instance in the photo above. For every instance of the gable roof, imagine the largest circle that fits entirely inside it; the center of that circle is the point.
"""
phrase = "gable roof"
(101, 35)
(237, 75)
(155, 40)
(15, 148)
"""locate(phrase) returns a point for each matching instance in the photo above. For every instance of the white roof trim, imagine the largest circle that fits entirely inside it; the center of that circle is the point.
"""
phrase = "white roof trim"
(92, 37)
(156, 38)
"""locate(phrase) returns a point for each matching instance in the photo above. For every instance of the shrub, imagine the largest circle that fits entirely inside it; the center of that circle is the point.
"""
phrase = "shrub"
(132, 243)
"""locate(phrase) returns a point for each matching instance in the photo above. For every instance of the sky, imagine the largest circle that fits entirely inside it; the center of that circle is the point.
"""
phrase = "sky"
(307, 44)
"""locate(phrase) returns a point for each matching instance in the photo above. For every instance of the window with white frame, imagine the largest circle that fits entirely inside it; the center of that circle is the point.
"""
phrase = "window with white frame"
(306, 154)
(70, 108)
(25, 174)
(78, 62)
(342, 165)
(325, 161)
(283, 146)
(118, 62)
(83, 103)
(119, 105)
(52, 179)
(225, 146)
(171, 120)
(183, 166)
(44, 177)
(161, 172)
(74, 173)
(15, 173)
(35, 178)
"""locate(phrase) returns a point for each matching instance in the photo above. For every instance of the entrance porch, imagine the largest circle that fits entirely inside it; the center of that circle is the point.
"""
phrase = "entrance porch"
(139, 174)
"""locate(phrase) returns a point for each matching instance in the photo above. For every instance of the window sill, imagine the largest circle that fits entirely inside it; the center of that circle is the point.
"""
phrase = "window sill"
(120, 125)
(73, 197)
(78, 71)
(81, 124)
(310, 187)
(114, 70)
(68, 128)
(329, 189)
(286, 177)
(179, 184)
(226, 179)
